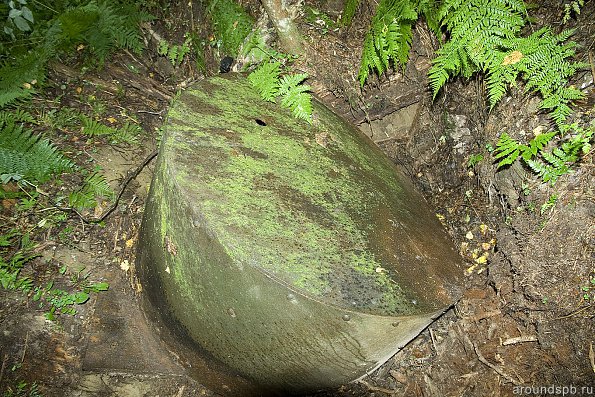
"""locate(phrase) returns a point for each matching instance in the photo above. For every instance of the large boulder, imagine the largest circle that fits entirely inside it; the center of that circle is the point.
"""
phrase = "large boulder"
(294, 254)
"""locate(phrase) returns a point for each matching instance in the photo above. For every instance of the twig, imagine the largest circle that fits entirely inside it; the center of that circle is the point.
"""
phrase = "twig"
(592, 357)
(574, 313)
(376, 388)
(25, 349)
(592, 65)
(131, 175)
(496, 368)
(5, 359)
(519, 339)
(433, 339)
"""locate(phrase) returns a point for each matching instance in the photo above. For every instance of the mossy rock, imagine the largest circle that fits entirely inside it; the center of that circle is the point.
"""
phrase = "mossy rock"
(295, 254)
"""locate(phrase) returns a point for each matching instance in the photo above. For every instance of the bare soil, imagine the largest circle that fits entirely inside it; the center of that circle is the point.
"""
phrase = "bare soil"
(523, 321)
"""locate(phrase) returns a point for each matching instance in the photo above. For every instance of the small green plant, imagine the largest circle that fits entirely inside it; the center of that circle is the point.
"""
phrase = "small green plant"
(474, 160)
(571, 8)
(24, 155)
(86, 197)
(588, 290)
(22, 389)
(128, 133)
(59, 300)
(549, 204)
(175, 53)
(231, 25)
(319, 19)
(389, 37)
(270, 83)
(64, 302)
(549, 165)
(95, 26)
(19, 16)
(12, 264)
(348, 12)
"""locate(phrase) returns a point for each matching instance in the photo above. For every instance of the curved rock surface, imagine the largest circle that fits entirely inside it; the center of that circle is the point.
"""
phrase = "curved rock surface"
(294, 254)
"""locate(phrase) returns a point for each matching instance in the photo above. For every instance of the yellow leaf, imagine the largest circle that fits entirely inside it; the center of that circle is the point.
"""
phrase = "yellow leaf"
(111, 120)
(512, 58)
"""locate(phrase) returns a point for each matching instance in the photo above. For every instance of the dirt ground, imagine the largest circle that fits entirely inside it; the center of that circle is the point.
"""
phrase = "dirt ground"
(525, 321)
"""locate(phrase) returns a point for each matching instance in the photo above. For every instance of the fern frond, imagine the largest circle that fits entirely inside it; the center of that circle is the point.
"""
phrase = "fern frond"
(291, 83)
(477, 29)
(128, 133)
(86, 197)
(94, 128)
(349, 10)
(266, 80)
(547, 172)
(231, 24)
(27, 155)
(296, 97)
(541, 60)
(100, 25)
(19, 78)
(507, 149)
(15, 116)
(389, 38)
(537, 144)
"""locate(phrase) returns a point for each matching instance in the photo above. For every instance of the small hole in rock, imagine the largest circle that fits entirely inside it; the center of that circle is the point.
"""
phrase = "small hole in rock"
(260, 122)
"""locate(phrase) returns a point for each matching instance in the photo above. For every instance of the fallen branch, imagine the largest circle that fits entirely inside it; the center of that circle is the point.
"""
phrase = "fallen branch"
(496, 368)
(130, 176)
(592, 357)
(376, 388)
(519, 339)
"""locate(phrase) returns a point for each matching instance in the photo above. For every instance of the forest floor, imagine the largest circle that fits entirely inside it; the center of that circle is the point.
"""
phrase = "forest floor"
(526, 319)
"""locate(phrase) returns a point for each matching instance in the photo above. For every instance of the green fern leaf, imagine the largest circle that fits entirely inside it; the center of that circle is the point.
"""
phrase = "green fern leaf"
(86, 197)
(27, 155)
(295, 96)
(507, 149)
(231, 24)
(389, 38)
(537, 144)
(477, 29)
(291, 83)
(349, 10)
(93, 128)
(266, 80)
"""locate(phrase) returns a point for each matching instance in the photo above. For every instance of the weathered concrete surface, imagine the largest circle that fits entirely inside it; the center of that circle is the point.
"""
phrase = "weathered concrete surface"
(295, 254)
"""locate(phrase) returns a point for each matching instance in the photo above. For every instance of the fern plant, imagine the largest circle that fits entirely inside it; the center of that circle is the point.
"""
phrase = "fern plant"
(12, 264)
(86, 197)
(98, 26)
(540, 59)
(175, 53)
(231, 24)
(572, 8)
(476, 29)
(26, 155)
(389, 37)
(348, 13)
(128, 133)
(549, 165)
(388, 40)
(269, 82)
